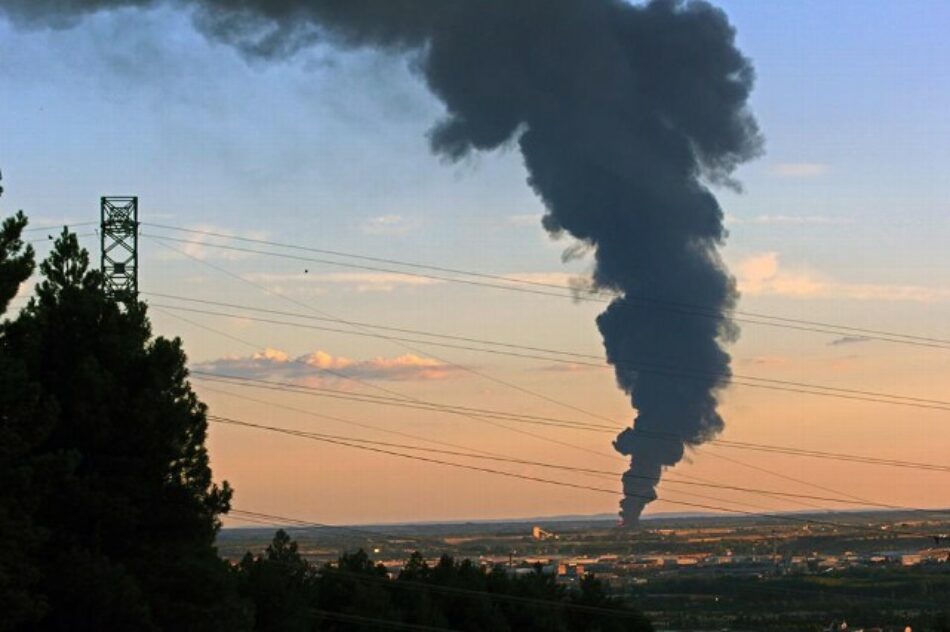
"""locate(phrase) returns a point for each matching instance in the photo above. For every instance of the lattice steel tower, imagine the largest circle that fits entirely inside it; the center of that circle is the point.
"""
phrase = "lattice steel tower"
(119, 241)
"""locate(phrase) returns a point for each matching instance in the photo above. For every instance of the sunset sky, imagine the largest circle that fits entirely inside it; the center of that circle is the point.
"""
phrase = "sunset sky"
(845, 219)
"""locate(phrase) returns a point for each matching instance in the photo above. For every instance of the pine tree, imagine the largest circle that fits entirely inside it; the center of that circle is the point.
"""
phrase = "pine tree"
(16, 258)
(19, 602)
(125, 495)
(281, 585)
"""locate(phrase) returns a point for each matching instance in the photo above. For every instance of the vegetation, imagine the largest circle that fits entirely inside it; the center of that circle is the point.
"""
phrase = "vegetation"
(893, 597)
(108, 511)
(112, 509)
(289, 593)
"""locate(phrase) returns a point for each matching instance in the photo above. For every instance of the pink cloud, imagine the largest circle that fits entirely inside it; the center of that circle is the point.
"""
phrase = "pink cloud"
(762, 275)
(319, 365)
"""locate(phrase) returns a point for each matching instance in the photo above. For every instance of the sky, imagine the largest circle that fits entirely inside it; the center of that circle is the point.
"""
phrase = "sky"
(844, 219)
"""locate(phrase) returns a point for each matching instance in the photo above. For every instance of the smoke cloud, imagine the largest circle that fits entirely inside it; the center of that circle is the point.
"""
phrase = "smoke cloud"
(623, 113)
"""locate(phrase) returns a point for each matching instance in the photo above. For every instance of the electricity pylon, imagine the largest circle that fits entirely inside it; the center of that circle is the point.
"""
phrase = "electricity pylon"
(119, 241)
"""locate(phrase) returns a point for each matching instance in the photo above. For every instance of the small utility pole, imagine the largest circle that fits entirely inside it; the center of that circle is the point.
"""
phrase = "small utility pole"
(119, 241)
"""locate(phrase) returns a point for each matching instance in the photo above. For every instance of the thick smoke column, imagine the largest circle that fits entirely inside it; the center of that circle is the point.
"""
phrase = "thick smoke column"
(621, 112)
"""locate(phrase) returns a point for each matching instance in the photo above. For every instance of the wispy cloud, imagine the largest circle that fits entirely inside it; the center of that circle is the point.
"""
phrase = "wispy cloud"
(799, 363)
(762, 275)
(524, 219)
(763, 361)
(847, 340)
(570, 367)
(789, 220)
(799, 169)
(320, 366)
(26, 288)
(307, 282)
(200, 245)
(387, 225)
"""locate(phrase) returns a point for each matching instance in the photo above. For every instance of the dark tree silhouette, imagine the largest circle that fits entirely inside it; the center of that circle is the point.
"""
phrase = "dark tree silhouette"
(16, 258)
(449, 595)
(19, 603)
(281, 585)
(109, 439)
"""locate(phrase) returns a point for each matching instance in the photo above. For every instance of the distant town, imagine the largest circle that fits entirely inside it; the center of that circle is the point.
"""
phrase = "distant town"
(869, 570)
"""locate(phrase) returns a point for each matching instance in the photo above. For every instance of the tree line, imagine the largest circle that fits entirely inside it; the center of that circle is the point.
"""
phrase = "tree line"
(109, 511)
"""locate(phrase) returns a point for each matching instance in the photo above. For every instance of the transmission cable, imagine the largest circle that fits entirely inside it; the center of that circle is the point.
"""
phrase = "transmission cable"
(289, 387)
(686, 373)
(510, 283)
(612, 492)
(349, 323)
(317, 436)
(513, 386)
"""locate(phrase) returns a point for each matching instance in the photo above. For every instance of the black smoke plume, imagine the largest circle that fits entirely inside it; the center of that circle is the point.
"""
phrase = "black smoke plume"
(622, 112)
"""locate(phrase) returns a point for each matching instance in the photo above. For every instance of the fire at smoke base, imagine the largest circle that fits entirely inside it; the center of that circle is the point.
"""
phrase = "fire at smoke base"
(623, 114)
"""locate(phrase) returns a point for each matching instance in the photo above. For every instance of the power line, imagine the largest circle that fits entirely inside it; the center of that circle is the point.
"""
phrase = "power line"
(418, 404)
(503, 382)
(405, 346)
(750, 381)
(48, 239)
(537, 479)
(838, 456)
(785, 477)
(301, 389)
(317, 436)
(451, 444)
(260, 517)
(364, 425)
(437, 442)
(482, 453)
(284, 387)
(511, 284)
(417, 332)
(304, 390)
(349, 422)
(722, 442)
(67, 225)
(787, 496)
(613, 476)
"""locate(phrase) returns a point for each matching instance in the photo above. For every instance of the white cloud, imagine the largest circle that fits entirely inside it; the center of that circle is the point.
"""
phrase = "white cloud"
(354, 281)
(319, 367)
(199, 243)
(761, 275)
(387, 225)
(526, 219)
(26, 289)
(799, 169)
